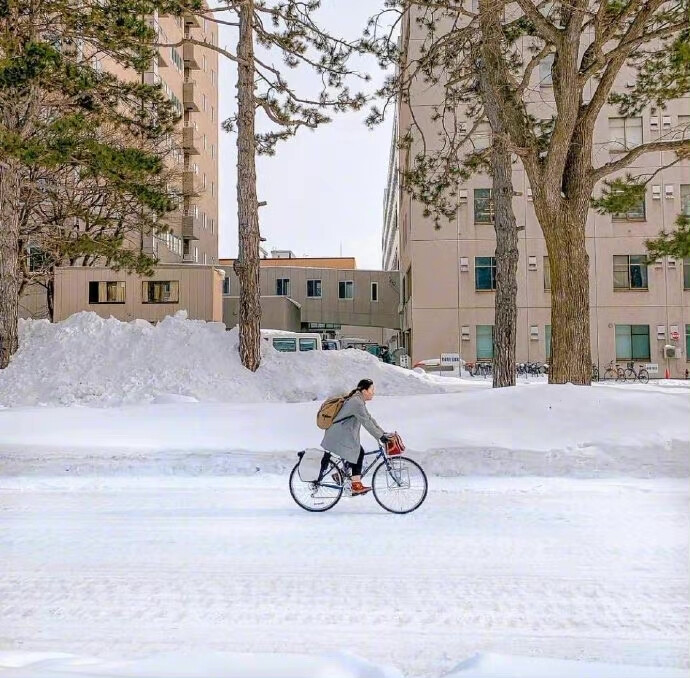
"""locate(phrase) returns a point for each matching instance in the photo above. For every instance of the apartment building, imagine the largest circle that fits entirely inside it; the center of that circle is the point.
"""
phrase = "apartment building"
(188, 74)
(448, 275)
(320, 294)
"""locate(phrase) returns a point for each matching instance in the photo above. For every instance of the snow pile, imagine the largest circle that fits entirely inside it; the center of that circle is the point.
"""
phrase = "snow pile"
(191, 665)
(537, 429)
(87, 359)
(228, 665)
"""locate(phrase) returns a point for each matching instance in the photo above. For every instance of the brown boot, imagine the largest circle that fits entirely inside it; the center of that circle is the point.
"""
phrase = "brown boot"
(358, 488)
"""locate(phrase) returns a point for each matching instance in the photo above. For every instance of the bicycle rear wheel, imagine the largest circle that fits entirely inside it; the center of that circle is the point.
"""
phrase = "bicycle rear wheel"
(630, 375)
(400, 486)
(610, 374)
(317, 497)
(643, 375)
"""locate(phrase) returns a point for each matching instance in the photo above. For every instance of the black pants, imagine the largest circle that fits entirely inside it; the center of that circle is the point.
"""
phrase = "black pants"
(356, 468)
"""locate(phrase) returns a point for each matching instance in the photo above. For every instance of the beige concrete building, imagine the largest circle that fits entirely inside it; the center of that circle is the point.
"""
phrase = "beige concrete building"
(327, 295)
(188, 74)
(448, 275)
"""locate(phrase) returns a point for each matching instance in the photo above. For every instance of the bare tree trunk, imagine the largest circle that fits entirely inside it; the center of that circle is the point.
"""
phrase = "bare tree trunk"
(247, 263)
(10, 273)
(571, 359)
(50, 294)
(505, 323)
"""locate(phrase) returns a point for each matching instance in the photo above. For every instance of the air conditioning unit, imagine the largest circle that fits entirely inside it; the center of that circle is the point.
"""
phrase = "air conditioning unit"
(671, 351)
(465, 333)
(668, 191)
(654, 122)
(534, 333)
(532, 263)
(464, 264)
(671, 262)
(656, 192)
(666, 121)
(462, 196)
(529, 194)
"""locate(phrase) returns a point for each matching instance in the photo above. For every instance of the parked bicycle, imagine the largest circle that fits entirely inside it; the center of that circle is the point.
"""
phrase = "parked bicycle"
(631, 374)
(614, 372)
(531, 369)
(595, 372)
(480, 369)
(398, 483)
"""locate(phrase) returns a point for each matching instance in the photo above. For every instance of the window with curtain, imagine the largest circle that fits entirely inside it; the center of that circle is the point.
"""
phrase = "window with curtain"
(630, 272)
(485, 273)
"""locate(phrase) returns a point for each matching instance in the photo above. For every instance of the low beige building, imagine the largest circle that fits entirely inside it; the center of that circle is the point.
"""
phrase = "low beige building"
(315, 296)
(196, 289)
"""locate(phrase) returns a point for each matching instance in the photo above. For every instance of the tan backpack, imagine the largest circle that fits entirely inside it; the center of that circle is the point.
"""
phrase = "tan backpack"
(329, 411)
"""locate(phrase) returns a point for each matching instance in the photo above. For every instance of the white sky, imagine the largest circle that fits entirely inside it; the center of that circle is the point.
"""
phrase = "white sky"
(324, 188)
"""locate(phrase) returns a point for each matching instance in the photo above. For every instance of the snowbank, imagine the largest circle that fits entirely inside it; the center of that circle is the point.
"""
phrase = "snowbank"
(529, 430)
(229, 665)
(90, 360)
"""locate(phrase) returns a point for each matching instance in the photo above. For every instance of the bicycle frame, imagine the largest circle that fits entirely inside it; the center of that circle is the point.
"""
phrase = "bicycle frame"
(340, 464)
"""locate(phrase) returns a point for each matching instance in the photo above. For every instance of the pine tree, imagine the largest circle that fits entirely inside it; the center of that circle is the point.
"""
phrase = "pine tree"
(61, 117)
(288, 30)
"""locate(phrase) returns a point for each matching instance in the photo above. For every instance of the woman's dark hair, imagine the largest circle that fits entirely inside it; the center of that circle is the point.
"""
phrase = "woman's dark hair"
(363, 385)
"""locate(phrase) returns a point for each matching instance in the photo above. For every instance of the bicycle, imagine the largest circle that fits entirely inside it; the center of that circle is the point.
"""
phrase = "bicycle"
(595, 372)
(612, 372)
(399, 483)
(640, 375)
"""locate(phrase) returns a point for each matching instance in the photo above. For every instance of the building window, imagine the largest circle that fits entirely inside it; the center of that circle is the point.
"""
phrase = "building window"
(485, 342)
(346, 289)
(483, 206)
(213, 225)
(547, 340)
(625, 133)
(213, 76)
(205, 259)
(213, 113)
(687, 343)
(545, 66)
(685, 199)
(630, 272)
(203, 61)
(226, 284)
(635, 213)
(632, 342)
(485, 273)
(196, 254)
(314, 289)
(481, 138)
(407, 285)
(160, 292)
(374, 291)
(106, 292)
(213, 188)
(283, 287)
(547, 275)
(213, 150)
(203, 102)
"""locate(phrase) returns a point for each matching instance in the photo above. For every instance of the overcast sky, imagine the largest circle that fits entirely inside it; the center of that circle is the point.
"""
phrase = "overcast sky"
(324, 188)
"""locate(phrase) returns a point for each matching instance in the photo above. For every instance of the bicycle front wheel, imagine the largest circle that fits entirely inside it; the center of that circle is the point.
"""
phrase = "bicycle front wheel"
(643, 375)
(610, 374)
(630, 375)
(317, 497)
(399, 485)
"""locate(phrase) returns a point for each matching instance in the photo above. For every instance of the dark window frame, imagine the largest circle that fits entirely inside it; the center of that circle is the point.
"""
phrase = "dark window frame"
(639, 263)
(491, 266)
(315, 282)
(284, 284)
(486, 209)
(146, 285)
(342, 297)
(96, 285)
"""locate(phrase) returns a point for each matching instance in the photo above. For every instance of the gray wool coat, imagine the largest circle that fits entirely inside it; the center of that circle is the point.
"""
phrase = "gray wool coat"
(342, 438)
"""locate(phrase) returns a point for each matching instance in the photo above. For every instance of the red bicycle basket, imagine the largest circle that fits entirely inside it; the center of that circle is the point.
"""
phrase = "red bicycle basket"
(395, 446)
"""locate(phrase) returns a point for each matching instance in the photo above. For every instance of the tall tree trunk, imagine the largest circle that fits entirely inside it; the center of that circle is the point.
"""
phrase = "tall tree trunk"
(50, 294)
(505, 323)
(10, 273)
(571, 359)
(247, 263)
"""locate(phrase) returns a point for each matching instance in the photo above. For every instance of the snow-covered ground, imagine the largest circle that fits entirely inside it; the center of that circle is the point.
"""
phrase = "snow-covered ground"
(591, 570)
(146, 528)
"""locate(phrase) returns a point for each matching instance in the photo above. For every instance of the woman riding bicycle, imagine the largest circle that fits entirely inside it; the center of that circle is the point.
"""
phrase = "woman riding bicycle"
(342, 437)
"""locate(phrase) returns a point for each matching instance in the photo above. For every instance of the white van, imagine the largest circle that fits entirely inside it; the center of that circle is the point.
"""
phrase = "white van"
(292, 342)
